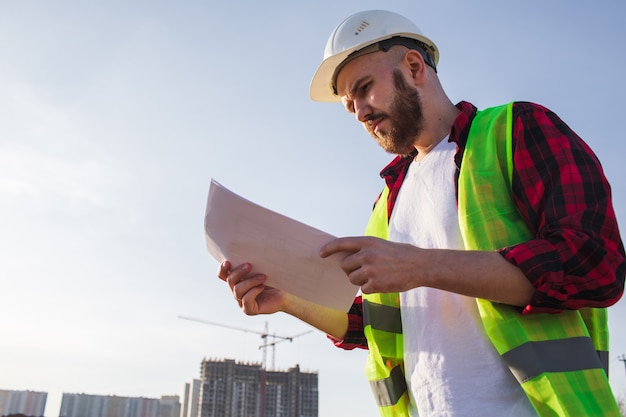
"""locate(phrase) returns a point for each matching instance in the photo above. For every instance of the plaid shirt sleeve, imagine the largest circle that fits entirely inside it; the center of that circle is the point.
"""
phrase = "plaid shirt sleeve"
(355, 338)
(577, 256)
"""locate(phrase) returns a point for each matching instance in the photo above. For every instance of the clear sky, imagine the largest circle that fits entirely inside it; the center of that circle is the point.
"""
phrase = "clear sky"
(115, 115)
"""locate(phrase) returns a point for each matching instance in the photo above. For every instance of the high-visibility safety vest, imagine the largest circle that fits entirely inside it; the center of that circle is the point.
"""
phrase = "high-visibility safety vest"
(560, 360)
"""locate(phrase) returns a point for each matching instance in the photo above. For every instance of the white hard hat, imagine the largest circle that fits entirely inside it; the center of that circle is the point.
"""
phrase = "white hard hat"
(360, 31)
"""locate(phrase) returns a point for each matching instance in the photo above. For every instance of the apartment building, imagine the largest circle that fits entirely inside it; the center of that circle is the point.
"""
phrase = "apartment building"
(29, 403)
(232, 389)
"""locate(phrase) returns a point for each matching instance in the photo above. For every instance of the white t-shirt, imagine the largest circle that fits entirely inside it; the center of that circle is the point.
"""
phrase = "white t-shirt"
(451, 367)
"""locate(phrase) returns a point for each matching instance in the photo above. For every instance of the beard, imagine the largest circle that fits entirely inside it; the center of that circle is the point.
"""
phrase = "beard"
(405, 116)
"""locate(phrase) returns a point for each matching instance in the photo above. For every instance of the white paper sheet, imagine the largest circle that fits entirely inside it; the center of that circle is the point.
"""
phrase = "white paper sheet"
(283, 249)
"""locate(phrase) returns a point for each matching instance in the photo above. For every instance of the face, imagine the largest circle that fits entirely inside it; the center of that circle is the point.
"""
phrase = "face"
(381, 98)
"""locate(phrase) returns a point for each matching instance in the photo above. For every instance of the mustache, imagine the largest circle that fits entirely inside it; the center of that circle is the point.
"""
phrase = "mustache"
(376, 117)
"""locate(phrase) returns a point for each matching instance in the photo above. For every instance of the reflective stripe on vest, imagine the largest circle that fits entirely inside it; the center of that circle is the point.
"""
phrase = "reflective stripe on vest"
(534, 358)
(388, 391)
(382, 317)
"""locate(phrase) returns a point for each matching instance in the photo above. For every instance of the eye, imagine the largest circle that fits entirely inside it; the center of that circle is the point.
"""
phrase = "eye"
(359, 91)
(363, 88)
(349, 105)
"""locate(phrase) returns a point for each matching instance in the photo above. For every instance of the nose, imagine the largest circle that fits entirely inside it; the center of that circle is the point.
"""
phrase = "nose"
(362, 110)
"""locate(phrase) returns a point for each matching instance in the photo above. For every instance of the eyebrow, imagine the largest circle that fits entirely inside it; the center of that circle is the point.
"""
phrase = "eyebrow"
(357, 85)
(348, 99)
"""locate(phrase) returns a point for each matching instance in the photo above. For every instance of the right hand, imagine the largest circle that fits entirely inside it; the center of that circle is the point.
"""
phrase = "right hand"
(250, 291)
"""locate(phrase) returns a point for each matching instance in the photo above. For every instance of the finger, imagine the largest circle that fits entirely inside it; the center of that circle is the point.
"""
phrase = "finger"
(358, 267)
(243, 287)
(238, 274)
(224, 270)
(248, 302)
(352, 262)
(342, 244)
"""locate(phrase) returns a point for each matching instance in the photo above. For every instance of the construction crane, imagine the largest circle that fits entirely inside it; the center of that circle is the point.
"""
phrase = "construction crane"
(275, 339)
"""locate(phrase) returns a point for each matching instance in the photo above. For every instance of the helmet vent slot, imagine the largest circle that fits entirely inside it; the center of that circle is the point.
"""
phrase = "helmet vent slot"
(361, 27)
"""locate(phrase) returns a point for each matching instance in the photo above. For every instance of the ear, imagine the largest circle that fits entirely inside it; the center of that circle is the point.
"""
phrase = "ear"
(415, 63)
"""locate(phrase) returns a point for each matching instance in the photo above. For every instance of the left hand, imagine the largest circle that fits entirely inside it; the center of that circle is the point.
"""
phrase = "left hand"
(250, 291)
(377, 265)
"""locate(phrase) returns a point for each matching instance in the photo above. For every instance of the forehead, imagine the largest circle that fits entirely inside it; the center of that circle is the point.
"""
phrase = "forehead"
(367, 65)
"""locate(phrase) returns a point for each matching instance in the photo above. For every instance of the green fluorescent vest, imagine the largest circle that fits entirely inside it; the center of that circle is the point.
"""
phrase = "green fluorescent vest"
(560, 360)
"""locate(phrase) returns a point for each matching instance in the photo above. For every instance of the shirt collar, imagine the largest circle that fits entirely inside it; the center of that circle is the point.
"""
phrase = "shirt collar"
(460, 128)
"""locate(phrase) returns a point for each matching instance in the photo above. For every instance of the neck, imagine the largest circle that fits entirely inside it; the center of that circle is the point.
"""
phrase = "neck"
(439, 120)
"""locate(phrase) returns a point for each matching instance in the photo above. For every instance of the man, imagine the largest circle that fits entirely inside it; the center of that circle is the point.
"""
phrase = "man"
(490, 223)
